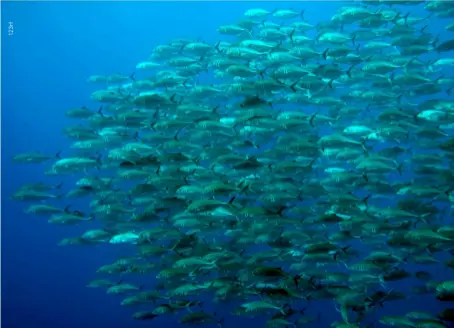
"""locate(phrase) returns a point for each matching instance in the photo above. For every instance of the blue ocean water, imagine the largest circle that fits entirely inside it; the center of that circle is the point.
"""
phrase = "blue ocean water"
(54, 48)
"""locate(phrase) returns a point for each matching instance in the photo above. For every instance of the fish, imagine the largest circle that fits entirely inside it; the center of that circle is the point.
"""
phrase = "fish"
(34, 157)
(290, 161)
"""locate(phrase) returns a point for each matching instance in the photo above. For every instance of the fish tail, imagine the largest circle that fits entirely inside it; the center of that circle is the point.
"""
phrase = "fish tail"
(291, 35)
(405, 17)
(399, 168)
(216, 46)
(424, 27)
(363, 144)
(312, 118)
(294, 85)
(325, 53)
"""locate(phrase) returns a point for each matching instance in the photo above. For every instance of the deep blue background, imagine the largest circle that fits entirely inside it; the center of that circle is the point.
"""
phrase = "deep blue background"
(45, 64)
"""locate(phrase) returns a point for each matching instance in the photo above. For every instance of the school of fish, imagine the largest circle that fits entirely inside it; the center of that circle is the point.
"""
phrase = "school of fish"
(284, 165)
